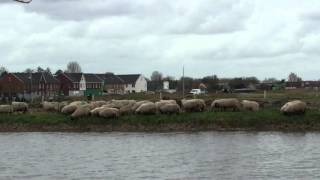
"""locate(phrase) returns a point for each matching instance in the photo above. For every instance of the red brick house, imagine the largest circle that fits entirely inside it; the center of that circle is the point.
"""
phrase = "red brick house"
(23, 85)
(80, 84)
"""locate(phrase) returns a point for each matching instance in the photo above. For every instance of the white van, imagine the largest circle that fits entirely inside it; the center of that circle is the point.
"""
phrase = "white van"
(196, 91)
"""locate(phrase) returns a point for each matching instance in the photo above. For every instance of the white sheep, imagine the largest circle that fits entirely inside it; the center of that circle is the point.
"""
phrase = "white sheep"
(294, 107)
(250, 105)
(225, 104)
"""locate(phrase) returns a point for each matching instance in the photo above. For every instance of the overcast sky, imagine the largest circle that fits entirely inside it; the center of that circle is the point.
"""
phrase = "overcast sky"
(263, 38)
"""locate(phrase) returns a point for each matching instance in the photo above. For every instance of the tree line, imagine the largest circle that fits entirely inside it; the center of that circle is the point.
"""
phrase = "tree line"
(210, 83)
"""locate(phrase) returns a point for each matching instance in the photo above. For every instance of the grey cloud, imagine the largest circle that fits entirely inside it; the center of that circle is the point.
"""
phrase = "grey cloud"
(224, 37)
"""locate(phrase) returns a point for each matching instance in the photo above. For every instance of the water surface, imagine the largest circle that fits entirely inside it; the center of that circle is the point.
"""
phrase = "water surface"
(205, 155)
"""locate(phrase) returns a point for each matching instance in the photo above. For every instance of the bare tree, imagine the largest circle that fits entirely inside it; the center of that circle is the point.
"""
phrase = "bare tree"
(23, 1)
(2, 70)
(29, 70)
(73, 67)
(294, 78)
(48, 70)
(156, 76)
(40, 69)
(270, 80)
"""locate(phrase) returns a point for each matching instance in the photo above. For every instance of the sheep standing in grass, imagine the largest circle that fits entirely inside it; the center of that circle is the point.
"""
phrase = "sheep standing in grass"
(62, 105)
(69, 109)
(294, 107)
(20, 107)
(78, 103)
(50, 106)
(225, 104)
(147, 108)
(96, 111)
(193, 105)
(127, 109)
(109, 113)
(81, 111)
(6, 109)
(170, 109)
(161, 103)
(138, 104)
(250, 105)
(96, 104)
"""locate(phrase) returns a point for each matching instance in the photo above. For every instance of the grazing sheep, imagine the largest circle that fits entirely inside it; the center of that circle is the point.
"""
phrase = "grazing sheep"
(193, 105)
(161, 103)
(6, 109)
(96, 111)
(250, 105)
(225, 104)
(78, 103)
(121, 103)
(294, 107)
(96, 104)
(127, 109)
(138, 104)
(170, 109)
(62, 105)
(19, 106)
(69, 109)
(50, 106)
(147, 108)
(81, 111)
(109, 113)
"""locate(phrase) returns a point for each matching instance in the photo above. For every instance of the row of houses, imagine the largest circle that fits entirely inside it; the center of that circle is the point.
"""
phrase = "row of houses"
(44, 84)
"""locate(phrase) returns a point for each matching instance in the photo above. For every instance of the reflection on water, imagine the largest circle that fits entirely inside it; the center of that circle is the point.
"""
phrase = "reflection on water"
(205, 155)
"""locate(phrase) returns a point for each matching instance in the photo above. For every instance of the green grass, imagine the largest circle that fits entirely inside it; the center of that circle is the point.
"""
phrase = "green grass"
(267, 118)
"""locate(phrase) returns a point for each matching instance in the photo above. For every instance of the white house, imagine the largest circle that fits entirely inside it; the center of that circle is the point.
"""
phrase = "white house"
(166, 87)
(134, 83)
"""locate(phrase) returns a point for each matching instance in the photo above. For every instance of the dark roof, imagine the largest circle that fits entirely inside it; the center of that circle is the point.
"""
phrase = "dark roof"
(92, 78)
(74, 77)
(36, 77)
(129, 78)
(49, 78)
(110, 78)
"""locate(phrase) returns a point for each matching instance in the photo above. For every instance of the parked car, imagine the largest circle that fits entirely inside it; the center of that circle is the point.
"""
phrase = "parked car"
(197, 91)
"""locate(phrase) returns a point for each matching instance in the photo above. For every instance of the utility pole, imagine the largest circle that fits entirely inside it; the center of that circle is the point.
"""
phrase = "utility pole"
(183, 81)
(31, 97)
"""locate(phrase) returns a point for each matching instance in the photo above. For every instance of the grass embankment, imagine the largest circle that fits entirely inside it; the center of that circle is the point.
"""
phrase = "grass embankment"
(265, 119)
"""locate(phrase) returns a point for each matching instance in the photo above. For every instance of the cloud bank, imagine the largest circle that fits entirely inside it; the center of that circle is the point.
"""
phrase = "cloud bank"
(224, 37)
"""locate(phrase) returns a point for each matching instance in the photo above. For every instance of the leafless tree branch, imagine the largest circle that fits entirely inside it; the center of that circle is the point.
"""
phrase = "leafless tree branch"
(23, 1)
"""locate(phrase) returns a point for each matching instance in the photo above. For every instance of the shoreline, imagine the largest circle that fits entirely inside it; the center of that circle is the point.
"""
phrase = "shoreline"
(264, 120)
(8, 128)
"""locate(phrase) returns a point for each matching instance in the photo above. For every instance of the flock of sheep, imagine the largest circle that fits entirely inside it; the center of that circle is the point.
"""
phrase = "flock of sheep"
(116, 108)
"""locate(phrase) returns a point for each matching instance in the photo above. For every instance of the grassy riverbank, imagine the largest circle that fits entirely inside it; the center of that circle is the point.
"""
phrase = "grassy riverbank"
(265, 119)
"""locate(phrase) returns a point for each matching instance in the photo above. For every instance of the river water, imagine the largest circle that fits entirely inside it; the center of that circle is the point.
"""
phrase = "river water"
(204, 155)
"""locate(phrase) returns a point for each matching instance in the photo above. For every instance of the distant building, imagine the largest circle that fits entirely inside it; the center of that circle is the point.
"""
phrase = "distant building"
(27, 85)
(112, 84)
(170, 86)
(80, 84)
(303, 85)
(134, 83)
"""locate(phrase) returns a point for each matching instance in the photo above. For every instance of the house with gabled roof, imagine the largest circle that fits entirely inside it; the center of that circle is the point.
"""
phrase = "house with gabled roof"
(134, 83)
(27, 85)
(112, 84)
(80, 84)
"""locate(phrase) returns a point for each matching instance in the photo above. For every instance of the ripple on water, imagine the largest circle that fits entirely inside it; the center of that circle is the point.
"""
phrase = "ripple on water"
(205, 155)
